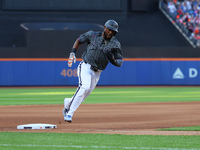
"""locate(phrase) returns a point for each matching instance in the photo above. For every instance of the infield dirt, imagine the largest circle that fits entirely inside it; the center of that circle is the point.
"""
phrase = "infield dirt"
(126, 118)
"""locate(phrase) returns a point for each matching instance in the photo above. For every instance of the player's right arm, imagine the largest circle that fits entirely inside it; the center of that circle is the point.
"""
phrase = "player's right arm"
(72, 56)
(83, 38)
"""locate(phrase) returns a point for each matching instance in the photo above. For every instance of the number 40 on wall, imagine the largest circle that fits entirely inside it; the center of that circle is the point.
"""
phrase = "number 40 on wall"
(69, 73)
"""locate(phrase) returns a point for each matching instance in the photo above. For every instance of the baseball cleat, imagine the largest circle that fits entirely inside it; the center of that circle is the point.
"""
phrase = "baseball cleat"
(68, 118)
(65, 111)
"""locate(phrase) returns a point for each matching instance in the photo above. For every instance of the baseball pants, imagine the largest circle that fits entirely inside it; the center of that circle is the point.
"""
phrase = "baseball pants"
(88, 80)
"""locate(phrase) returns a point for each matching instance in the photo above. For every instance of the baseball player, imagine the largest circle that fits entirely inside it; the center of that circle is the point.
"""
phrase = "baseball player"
(102, 48)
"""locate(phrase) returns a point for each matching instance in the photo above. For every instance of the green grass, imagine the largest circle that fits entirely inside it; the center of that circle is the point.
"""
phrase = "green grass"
(194, 128)
(31, 96)
(58, 141)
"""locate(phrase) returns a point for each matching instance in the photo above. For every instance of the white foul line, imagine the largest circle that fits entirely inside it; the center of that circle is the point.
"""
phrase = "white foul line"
(99, 147)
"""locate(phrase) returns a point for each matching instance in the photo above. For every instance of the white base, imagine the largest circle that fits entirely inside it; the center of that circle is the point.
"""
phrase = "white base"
(36, 126)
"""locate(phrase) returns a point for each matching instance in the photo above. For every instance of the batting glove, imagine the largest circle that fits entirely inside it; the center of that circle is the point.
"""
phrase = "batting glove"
(72, 58)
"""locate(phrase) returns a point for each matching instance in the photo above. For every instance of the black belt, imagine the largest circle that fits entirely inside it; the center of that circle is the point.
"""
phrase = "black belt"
(93, 68)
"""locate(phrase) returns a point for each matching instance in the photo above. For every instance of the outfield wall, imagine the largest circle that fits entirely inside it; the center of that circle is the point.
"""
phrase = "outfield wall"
(45, 72)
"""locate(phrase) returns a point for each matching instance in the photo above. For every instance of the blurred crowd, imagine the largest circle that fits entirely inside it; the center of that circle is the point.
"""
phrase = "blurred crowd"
(186, 14)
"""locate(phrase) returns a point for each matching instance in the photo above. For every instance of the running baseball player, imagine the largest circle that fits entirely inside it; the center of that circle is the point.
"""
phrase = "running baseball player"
(102, 48)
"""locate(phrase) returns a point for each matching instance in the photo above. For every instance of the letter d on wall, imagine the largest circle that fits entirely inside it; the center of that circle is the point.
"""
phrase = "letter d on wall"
(193, 72)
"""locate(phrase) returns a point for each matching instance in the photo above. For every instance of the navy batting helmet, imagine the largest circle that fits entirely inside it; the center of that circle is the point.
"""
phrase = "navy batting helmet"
(112, 25)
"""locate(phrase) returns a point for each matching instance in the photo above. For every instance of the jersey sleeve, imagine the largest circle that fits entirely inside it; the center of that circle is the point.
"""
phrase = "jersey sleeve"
(85, 37)
(117, 51)
(118, 54)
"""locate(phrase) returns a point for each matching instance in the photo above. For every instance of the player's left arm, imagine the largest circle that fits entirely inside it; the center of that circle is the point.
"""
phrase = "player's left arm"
(115, 57)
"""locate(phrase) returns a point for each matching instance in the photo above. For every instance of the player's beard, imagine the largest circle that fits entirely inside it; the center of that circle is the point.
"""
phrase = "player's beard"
(105, 37)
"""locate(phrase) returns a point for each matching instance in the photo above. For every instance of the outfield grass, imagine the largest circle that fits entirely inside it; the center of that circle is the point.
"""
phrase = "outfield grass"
(194, 128)
(59, 141)
(28, 96)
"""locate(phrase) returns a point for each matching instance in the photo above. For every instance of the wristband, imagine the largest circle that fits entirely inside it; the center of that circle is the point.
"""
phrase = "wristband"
(74, 50)
(119, 62)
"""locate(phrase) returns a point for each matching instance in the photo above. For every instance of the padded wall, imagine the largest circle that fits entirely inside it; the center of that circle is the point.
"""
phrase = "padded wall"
(133, 72)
